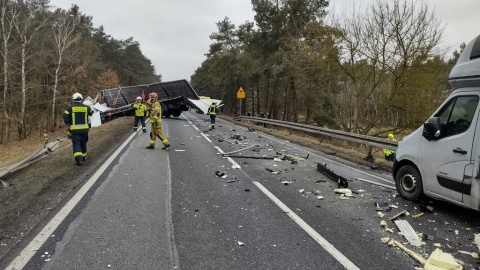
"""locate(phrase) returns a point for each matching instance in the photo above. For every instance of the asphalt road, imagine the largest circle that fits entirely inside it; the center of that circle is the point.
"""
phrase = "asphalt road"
(157, 209)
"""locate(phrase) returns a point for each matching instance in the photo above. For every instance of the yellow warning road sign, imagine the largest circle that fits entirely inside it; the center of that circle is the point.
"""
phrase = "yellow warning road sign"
(240, 93)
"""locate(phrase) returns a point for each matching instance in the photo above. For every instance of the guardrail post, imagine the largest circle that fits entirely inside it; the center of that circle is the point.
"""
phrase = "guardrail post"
(369, 156)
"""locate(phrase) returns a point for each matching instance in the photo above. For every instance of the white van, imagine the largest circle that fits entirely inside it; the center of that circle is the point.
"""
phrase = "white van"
(442, 158)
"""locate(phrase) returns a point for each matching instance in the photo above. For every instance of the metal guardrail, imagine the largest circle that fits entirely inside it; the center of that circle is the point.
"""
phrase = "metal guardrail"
(39, 154)
(337, 134)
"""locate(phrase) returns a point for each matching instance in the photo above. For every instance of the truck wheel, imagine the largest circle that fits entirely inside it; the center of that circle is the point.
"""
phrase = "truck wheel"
(176, 113)
(167, 114)
(409, 182)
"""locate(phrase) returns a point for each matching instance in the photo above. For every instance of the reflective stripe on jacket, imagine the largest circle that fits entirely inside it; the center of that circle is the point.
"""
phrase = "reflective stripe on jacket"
(156, 113)
(389, 152)
(213, 109)
(76, 116)
(140, 109)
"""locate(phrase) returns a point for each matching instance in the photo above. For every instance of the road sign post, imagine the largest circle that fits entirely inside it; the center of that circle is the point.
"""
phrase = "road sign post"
(241, 96)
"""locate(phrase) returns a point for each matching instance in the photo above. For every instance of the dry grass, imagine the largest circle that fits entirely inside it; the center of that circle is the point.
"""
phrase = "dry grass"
(16, 150)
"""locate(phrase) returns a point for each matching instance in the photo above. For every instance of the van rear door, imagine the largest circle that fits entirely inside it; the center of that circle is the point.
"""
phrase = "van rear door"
(444, 161)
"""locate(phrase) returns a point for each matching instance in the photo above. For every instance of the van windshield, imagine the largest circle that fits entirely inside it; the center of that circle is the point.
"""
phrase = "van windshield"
(457, 115)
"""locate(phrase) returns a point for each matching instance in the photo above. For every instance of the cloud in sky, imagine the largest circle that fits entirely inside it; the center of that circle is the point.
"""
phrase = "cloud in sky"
(174, 35)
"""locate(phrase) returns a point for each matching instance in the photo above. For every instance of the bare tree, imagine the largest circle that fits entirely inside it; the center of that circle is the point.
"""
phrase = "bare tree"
(65, 35)
(381, 46)
(8, 14)
(27, 25)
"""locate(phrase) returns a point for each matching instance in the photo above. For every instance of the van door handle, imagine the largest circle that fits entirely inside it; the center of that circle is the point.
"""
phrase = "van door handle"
(460, 151)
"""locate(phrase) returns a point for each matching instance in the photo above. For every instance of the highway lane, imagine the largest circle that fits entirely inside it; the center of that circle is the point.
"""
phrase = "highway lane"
(169, 210)
(211, 215)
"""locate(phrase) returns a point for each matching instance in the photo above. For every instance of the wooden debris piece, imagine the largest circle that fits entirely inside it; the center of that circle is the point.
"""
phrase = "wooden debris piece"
(397, 215)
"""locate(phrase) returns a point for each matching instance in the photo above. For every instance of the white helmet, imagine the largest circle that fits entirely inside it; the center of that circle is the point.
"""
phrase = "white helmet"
(139, 98)
(77, 96)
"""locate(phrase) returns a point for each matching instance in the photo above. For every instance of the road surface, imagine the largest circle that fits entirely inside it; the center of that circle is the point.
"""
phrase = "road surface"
(191, 208)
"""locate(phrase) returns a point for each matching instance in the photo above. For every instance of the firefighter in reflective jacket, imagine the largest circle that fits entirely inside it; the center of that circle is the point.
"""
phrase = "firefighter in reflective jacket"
(76, 117)
(389, 154)
(212, 111)
(140, 110)
(156, 122)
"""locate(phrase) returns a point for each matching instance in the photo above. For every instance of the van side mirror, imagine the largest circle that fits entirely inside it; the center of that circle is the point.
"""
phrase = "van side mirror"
(432, 129)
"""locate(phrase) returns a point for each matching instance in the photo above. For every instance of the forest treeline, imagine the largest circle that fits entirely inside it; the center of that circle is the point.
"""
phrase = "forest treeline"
(372, 71)
(47, 54)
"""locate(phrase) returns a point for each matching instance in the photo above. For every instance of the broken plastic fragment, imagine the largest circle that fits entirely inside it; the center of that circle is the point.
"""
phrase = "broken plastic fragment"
(286, 183)
(473, 254)
(385, 240)
(441, 260)
(418, 215)
(408, 232)
(342, 190)
(301, 190)
(383, 223)
(389, 230)
(241, 244)
(320, 197)
(380, 214)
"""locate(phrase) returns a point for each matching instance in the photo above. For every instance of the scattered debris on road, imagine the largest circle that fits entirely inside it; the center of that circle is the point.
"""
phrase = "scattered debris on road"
(341, 181)
(401, 213)
(408, 232)
(382, 206)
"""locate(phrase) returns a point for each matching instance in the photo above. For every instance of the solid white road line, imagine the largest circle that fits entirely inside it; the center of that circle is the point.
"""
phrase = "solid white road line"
(206, 138)
(234, 164)
(27, 253)
(316, 236)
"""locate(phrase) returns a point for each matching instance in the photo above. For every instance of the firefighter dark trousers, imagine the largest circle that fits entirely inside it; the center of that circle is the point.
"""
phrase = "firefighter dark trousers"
(212, 120)
(142, 121)
(157, 132)
(79, 143)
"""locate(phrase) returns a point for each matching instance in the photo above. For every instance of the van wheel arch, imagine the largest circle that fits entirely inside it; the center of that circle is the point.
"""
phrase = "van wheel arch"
(408, 182)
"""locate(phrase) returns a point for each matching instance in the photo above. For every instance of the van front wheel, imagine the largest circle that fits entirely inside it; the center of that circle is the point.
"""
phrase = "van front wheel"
(409, 182)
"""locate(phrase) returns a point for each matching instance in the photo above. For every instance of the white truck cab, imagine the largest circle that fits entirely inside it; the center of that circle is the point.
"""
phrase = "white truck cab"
(442, 158)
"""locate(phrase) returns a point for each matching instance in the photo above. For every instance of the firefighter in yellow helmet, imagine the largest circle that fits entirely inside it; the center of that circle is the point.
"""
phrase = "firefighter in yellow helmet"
(389, 154)
(76, 117)
(156, 122)
(140, 110)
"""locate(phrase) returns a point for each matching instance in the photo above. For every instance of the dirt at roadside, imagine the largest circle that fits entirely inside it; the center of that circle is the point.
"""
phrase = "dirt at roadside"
(35, 190)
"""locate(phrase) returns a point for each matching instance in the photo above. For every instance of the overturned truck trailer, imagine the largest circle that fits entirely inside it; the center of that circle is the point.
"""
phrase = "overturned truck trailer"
(173, 96)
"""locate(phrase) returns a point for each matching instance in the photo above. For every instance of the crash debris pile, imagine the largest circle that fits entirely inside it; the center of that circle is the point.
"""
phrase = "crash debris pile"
(438, 260)
(395, 222)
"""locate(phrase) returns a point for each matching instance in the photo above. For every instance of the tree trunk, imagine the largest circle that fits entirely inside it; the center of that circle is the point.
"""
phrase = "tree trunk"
(24, 90)
(54, 95)
(294, 101)
(5, 85)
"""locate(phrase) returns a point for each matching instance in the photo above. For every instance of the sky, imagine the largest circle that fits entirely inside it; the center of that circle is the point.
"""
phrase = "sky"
(174, 34)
